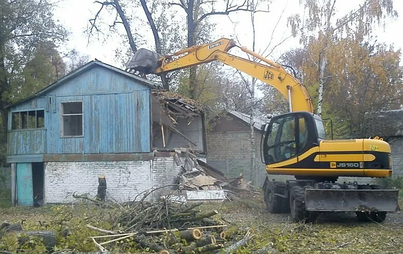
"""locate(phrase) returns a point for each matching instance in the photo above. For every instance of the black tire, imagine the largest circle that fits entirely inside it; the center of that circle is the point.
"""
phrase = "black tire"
(273, 202)
(378, 216)
(371, 216)
(363, 216)
(297, 204)
(312, 216)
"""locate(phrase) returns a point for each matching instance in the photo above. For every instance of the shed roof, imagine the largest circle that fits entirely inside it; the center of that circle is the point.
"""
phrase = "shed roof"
(79, 71)
(246, 118)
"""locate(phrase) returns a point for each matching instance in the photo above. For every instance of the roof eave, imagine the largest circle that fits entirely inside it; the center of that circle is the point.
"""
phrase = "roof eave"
(77, 72)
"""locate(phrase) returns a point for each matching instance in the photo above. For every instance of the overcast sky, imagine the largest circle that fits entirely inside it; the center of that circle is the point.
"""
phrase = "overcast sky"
(74, 15)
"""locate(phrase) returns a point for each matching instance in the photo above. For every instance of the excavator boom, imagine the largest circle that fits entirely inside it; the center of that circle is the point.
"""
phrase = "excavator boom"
(266, 71)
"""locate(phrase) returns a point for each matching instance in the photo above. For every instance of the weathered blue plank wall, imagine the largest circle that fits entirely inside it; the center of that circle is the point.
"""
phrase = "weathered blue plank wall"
(27, 142)
(116, 116)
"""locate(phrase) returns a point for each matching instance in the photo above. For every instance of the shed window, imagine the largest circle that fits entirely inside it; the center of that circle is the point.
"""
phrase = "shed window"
(72, 117)
(28, 119)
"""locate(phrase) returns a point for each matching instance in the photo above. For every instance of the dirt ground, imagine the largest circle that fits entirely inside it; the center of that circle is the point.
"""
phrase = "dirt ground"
(272, 233)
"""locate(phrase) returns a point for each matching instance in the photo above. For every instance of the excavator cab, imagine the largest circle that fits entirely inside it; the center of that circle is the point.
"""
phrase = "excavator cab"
(289, 135)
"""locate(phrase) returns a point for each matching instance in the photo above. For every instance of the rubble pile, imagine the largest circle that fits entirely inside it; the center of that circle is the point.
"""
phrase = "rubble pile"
(200, 181)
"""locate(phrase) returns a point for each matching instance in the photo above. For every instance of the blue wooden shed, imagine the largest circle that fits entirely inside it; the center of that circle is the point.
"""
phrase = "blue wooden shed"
(98, 113)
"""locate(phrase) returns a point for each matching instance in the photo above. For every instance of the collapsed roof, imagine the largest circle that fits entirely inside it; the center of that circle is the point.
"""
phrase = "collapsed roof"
(172, 113)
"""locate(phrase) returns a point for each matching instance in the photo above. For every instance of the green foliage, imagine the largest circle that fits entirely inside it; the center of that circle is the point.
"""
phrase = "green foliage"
(25, 26)
(45, 68)
(5, 193)
(5, 198)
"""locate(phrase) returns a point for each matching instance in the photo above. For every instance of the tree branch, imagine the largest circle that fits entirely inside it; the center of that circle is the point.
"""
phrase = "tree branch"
(182, 5)
(126, 25)
(115, 4)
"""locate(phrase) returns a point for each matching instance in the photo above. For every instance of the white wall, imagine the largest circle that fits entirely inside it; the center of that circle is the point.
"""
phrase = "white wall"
(125, 179)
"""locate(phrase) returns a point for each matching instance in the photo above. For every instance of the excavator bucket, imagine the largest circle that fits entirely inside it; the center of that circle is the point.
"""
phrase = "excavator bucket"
(144, 60)
(351, 200)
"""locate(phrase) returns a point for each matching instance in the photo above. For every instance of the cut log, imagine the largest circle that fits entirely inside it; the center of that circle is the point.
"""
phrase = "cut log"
(206, 240)
(101, 195)
(47, 237)
(11, 227)
(191, 234)
(230, 232)
(189, 249)
(142, 240)
(199, 217)
(208, 248)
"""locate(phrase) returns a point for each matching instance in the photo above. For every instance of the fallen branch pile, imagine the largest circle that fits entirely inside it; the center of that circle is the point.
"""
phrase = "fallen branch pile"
(167, 227)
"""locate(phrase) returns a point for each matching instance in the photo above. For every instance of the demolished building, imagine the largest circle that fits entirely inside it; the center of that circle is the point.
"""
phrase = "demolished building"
(98, 120)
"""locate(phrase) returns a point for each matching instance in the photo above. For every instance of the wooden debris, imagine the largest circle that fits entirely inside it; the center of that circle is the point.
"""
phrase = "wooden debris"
(162, 226)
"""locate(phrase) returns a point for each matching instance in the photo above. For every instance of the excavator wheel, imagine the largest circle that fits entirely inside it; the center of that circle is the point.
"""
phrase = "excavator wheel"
(274, 203)
(297, 204)
(371, 216)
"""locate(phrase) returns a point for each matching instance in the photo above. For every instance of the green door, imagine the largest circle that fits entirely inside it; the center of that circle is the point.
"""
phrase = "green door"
(25, 195)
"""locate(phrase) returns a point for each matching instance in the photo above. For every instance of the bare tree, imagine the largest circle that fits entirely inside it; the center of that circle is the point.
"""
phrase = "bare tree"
(196, 12)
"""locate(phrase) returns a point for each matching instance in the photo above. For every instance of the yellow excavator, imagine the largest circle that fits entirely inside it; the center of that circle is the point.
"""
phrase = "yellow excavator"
(295, 144)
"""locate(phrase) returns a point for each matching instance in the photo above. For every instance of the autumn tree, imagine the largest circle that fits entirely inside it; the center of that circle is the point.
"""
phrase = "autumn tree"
(322, 25)
(365, 78)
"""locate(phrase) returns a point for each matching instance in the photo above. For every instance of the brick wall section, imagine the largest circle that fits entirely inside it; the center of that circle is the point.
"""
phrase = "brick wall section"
(228, 145)
(396, 144)
(230, 152)
(125, 179)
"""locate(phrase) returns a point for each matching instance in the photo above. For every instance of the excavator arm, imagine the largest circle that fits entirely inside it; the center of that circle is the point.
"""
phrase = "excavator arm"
(266, 71)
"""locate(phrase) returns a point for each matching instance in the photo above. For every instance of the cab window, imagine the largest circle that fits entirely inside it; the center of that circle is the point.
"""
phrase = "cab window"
(281, 140)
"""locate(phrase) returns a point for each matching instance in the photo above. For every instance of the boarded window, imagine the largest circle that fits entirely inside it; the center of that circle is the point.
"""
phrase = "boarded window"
(28, 119)
(72, 117)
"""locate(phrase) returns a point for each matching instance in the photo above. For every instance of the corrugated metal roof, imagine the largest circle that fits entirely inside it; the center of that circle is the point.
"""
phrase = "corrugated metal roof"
(80, 70)
(257, 123)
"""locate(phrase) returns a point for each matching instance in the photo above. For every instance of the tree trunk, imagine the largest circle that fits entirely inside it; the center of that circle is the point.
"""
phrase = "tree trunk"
(4, 117)
(253, 174)
(322, 66)
(157, 40)
(153, 27)
(126, 25)
(191, 42)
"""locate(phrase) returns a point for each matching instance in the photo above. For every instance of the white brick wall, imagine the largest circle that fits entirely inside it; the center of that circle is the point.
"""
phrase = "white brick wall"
(125, 179)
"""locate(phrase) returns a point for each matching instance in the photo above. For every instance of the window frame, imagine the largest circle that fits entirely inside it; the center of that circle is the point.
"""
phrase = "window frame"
(20, 120)
(62, 115)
